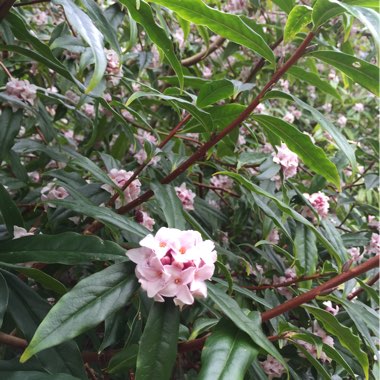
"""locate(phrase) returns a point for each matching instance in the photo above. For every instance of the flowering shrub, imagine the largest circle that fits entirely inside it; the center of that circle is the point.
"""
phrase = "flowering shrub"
(189, 189)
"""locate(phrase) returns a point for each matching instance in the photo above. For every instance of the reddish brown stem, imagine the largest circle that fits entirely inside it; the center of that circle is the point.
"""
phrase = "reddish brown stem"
(357, 292)
(201, 152)
(216, 188)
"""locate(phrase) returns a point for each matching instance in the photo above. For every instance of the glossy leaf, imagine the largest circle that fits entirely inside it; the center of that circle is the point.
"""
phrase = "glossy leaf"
(289, 211)
(91, 301)
(158, 346)
(252, 327)
(67, 248)
(362, 72)
(170, 205)
(227, 353)
(213, 91)
(229, 26)
(335, 238)
(306, 250)
(314, 80)
(285, 5)
(323, 11)
(123, 360)
(10, 125)
(298, 19)
(35, 375)
(343, 333)
(141, 13)
(28, 309)
(301, 144)
(4, 296)
(105, 215)
(83, 25)
(9, 211)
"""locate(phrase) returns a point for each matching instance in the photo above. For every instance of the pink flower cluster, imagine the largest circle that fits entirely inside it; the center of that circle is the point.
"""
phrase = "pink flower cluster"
(174, 263)
(120, 177)
(236, 6)
(320, 202)
(113, 68)
(287, 159)
(21, 89)
(143, 218)
(374, 244)
(272, 367)
(222, 181)
(51, 192)
(186, 196)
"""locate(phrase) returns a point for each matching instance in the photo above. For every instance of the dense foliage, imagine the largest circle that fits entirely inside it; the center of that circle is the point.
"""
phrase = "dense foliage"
(189, 189)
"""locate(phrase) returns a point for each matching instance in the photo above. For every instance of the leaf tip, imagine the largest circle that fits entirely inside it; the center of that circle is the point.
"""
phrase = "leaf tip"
(25, 356)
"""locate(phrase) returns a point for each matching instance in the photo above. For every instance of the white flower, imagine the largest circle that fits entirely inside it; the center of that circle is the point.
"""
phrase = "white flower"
(287, 159)
(19, 232)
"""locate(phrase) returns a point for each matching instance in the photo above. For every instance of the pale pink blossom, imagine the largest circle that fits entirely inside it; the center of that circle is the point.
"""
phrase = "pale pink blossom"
(179, 36)
(186, 196)
(354, 252)
(330, 308)
(342, 121)
(273, 236)
(72, 97)
(174, 263)
(327, 107)
(374, 245)
(241, 140)
(143, 136)
(89, 110)
(284, 84)
(19, 232)
(358, 107)
(52, 192)
(145, 219)
(272, 367)
(267, 148)
(320, 202)
(236, 6)
(222, 181)
(260, 108)
(21, 89)
(140, 156)
(289, 117)
(373, 222)
(120, 177)
(127, 115)
(113, 68)
(206, 72)
(287, 159)
(40, 18)
(34, 176)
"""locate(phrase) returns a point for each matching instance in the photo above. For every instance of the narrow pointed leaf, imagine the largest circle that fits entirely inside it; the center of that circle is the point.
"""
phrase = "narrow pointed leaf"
(4, 296)
(9, 211)
(213, 91)
(90, 302)
(298, 19)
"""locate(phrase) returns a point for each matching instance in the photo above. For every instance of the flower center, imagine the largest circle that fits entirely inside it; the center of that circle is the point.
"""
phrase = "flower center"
(177, 281)
(182, 250)
(162, 244)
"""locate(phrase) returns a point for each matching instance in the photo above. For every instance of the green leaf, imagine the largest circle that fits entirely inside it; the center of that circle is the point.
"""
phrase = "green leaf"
(345, 335)
(202, 116)
(285, 5)
(158, 346)
(226, 25)
(213, 91)
(35, 375)
(141, 13)
(4, 296)
(27, 309)
(67, 248)
(48, 282)
(227, 353)
(83, 25)
(252, 327)
(84, 307)
(323, 11)
(40, 52)
(335, 238)
(289, 211)
(170, 205)
(99, 19)
(306, 250)
(314, 80)
(10, 125)
(123, 360)
(105, 215)
(10, 212)
(298, 19)
(313, 156)
(325, 124)
(362, 72)
(373, 4)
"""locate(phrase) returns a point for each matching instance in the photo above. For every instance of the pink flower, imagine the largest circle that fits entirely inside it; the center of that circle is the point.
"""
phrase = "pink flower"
(354, 253)
(272, 367)
(207, 72)
(113, 68)
(287, 159)
(235, 6)
(144, 219)
(373, 222)
(358, 107)
(222, 181)
(289, 118)
(260, 108)
(143, 136)
(21, 89)
(342, 121)
(51, 192)
(273, 236)
(330, 308)
(186, 196)
(374, 245)
(174, 263)
(89, 110)
(120, 177)
(320, 202)
(19, 232)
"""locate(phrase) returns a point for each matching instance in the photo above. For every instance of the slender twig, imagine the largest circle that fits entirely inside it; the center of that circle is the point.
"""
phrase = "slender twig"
(289, 282)
(203, 53)
(31, 3)
(216, 188)
(357, 292)
(201, 152)
(360, 177)
(13, 341)
(6, 70)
